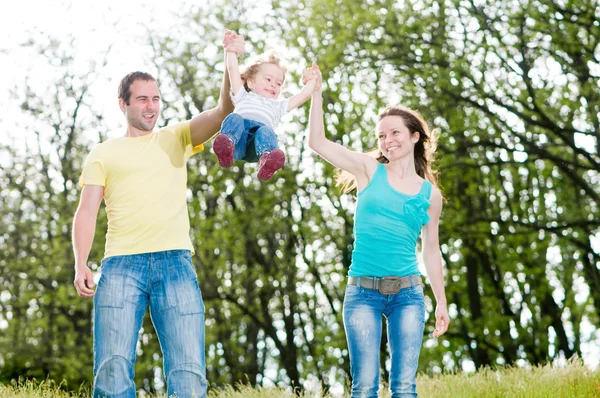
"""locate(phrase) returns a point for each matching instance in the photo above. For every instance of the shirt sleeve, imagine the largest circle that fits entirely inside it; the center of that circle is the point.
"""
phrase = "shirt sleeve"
(93, 170)
(184, 132)
(283, 107)
(240, 95)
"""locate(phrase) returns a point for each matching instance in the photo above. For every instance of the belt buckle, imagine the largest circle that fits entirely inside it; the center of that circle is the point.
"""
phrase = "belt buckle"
(389, 285)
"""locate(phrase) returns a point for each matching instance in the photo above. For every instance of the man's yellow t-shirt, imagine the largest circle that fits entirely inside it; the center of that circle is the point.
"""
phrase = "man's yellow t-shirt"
(145, 185)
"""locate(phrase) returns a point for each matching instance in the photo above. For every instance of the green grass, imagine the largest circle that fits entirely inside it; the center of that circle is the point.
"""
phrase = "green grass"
(573, 380)
(34, 389)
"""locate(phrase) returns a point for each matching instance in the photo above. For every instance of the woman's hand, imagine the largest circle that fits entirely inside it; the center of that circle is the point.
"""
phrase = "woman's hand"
(442, 320)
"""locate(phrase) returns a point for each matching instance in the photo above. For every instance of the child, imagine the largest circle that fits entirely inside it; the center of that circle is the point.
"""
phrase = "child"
(248, 132)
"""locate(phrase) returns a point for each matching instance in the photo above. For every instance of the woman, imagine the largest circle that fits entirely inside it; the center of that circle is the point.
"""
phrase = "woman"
(397, 199)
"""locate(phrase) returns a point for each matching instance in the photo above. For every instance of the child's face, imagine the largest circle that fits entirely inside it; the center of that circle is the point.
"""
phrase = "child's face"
(268, 81)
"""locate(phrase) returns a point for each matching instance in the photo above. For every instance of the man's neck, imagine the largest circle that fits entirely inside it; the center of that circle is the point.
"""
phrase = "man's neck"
(134, 132)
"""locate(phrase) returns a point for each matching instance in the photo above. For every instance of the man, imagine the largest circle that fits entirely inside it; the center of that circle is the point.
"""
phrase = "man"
(142, 177)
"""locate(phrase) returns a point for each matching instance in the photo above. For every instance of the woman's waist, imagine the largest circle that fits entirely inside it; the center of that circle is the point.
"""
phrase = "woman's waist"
(380, 265)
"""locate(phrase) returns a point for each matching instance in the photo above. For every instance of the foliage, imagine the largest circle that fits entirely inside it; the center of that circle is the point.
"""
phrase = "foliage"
(516, 101)
(513, 89)
(45, 326)
(256, 244)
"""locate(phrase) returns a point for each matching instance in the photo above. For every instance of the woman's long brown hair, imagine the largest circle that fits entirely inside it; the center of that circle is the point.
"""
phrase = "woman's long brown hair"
(423, 153)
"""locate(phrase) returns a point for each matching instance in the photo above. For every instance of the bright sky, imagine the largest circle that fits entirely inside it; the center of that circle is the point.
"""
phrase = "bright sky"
(96, 25)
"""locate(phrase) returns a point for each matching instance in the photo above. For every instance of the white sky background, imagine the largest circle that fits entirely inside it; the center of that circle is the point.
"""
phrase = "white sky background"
(96, 25)
(122, 25)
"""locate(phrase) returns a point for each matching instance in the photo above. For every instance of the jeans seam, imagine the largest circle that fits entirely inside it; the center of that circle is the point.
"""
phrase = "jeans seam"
(100, 367)
(176, 368)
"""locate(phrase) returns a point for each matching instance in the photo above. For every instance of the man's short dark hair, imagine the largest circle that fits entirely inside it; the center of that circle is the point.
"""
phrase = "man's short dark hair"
(127, 81)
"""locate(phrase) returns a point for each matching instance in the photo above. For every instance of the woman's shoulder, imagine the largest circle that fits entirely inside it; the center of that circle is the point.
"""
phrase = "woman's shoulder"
(370, 167)
(372, 164)
(436, 197)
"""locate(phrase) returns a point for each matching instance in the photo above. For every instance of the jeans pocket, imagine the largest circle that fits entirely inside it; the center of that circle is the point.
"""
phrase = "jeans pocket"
(185, 258)
(417, 297)
(417, 291)
(187, 291)
(353, 291)
(356, 296)
(111, 286)
(189, 298)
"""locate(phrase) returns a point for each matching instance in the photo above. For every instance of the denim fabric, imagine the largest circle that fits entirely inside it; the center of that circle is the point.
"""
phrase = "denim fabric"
(167, 281)
(405, 313)
(250, 138)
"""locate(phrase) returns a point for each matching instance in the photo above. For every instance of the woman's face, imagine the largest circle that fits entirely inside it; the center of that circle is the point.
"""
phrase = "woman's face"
(395, 140)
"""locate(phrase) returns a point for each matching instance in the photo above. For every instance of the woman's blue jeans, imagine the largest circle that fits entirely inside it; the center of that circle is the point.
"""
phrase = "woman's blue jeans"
(167, 281)
(405, 313)
(250, 138)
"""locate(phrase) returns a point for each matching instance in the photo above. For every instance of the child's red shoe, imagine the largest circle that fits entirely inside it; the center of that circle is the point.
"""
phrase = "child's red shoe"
(269, 163)
(223, 148)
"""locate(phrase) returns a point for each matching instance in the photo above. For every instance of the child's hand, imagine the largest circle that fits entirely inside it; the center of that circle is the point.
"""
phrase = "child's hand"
(309, 74)
(313, 73)
(228, 37)
(233, 42)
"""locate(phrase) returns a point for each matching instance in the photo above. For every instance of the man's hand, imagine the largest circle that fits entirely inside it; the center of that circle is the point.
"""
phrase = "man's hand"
(233, 42)
(84, 281)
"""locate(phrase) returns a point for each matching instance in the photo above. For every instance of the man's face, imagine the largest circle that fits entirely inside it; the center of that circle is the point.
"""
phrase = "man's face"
(144, 105)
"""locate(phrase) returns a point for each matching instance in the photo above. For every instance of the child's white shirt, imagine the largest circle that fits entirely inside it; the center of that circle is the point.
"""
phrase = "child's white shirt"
(252, 106)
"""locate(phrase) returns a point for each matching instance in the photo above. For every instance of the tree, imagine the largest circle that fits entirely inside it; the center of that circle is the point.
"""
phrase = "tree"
(256, 242)
(47, 328)
(513, 90)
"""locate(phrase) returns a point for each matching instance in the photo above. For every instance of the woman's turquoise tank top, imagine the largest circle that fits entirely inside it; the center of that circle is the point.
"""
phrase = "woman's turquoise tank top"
(387, 225)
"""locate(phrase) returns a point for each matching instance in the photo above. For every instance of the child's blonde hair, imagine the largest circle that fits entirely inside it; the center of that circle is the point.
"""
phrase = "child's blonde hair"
(267, 58)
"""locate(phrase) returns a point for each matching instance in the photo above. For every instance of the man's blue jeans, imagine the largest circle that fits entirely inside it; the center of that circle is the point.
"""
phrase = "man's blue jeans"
(405, 313)
(250, 138)
(167, 281)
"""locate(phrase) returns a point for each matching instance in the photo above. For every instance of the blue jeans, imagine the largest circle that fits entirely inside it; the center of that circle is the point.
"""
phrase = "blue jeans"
(405, 313)
(167, 281)
(250, 138)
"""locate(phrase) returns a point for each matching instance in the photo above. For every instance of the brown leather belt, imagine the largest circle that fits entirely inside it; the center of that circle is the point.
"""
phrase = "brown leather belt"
(386, 284)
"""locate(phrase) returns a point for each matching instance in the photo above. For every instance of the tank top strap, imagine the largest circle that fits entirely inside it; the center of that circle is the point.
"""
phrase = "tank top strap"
(380, 172)
(425, 189)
